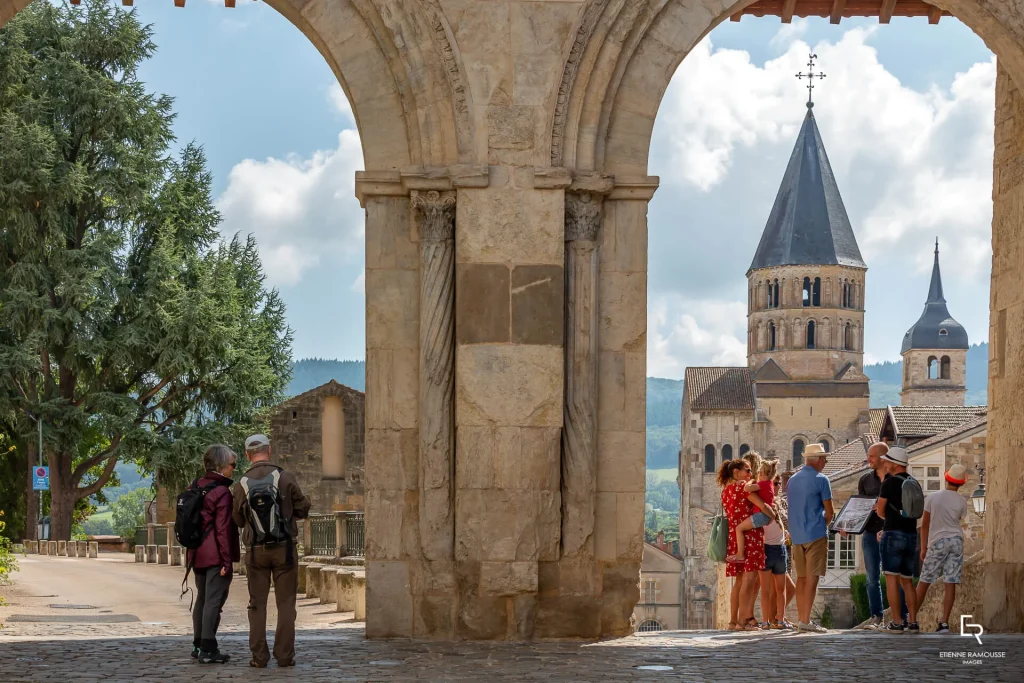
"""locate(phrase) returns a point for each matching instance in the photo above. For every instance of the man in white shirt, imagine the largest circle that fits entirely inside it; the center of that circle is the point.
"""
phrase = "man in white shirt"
(942, 541)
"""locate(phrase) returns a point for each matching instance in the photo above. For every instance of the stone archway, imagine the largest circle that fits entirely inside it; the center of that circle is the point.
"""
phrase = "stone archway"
(506, 193)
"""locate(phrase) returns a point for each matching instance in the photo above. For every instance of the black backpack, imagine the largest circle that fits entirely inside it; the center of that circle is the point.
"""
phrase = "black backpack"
(263, 500)
(188, 517)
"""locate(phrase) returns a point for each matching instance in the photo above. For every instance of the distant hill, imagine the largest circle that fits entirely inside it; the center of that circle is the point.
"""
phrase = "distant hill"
(310, 373)
(664, 396)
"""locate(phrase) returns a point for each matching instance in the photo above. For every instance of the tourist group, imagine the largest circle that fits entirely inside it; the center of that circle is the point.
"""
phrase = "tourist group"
(761, 535)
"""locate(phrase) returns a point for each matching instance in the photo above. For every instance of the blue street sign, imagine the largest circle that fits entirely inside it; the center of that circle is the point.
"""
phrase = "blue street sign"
(41, 479)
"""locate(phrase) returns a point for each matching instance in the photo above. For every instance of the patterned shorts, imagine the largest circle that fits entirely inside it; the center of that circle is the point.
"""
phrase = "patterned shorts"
(944, 558)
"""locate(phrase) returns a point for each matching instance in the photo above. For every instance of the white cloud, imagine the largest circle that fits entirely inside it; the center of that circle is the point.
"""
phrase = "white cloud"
(302, 211)
(911, 165)
(683, 332)
(787, 33)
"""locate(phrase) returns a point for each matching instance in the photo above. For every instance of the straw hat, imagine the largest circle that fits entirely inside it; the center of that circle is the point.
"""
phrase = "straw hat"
(815, 450)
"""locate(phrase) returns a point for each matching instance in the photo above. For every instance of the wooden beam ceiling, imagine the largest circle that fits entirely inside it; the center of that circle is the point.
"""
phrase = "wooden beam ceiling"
(885, 12)
(837, 10)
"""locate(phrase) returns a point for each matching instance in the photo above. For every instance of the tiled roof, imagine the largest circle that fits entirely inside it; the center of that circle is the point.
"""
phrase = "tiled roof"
(979, 421)
(849, 456)
(719, 389)
(877, 419)
(332, 388)
(930, 420)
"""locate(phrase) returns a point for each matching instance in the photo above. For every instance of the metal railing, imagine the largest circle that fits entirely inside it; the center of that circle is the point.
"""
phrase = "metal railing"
(337, 534)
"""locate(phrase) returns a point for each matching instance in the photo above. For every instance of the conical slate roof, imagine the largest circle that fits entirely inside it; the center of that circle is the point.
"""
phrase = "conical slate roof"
(935, 329)
(808, 224)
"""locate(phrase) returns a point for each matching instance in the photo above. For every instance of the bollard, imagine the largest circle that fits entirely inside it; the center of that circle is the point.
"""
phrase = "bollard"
(313, 580)
(300, 585)
(162, 556)
(51, 548)
(62, 548)
(140, 553)
(176, 556)
(44, 548)
(328, 585)
(83, 548)
(346, 591)
(360, 611)
(72, 548)
(31, 547)
(93, 549)
(150, 554)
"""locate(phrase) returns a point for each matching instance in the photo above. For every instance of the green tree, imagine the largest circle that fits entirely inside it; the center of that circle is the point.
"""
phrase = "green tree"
(128, 325)
(126, 512)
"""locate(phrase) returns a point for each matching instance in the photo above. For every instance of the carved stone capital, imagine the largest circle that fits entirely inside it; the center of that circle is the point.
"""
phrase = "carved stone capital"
(582, 215)
(437, 215)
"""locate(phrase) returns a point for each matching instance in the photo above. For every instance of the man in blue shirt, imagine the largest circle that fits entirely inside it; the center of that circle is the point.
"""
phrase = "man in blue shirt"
(809, 497)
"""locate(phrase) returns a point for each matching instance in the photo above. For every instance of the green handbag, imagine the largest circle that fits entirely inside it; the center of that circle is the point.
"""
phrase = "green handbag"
(718, 540)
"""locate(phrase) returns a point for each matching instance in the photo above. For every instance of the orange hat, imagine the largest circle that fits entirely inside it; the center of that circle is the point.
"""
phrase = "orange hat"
(957, 474)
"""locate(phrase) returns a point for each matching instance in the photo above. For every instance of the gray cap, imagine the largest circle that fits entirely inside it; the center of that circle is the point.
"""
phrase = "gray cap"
(256, 441)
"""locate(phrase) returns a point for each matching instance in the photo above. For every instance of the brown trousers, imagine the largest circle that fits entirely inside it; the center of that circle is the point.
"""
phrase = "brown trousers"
(262, 564)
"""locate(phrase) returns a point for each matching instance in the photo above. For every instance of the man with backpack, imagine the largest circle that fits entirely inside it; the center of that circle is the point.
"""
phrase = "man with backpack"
(267, 501)
(900, 504)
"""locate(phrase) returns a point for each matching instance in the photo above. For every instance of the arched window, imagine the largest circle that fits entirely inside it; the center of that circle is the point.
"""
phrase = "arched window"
(944, 367)
(816, 292)
(744, 449)
(648, 626)
(768, 291)
(709, 458)
(826, 445)
(775, 294)
(798, 452)
(810, 334)
(726, 452)
(807, 291)
(848, 337)
(771, 336)
(933, 367)
(846, 294)
(943, 332)
(332, 438)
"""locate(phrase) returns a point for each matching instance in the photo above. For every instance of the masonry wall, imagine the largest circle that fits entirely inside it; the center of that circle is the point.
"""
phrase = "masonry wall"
(297, 446)
(920, 390)
(810, 419)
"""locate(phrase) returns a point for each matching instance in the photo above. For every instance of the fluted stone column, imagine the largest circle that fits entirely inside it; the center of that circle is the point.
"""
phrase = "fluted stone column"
(436, 214)
(579, 433)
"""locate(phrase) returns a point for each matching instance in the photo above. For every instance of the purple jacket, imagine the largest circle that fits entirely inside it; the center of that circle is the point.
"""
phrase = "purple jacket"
(220, 546)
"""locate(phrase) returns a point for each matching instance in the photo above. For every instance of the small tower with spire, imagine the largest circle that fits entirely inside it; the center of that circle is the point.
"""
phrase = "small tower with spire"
(935, 352)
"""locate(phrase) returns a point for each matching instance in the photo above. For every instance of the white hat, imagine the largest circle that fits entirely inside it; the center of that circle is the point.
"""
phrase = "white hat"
(957, 474)
(256, 441)
(896, 455)
(815, 450)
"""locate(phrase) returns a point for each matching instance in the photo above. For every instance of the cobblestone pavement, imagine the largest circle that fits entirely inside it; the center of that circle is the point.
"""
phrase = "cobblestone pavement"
(331, 647)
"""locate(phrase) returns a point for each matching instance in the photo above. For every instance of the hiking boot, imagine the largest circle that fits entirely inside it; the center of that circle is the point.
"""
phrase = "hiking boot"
(893, 627)
(217, 657)
(913, 628)
(943, 627)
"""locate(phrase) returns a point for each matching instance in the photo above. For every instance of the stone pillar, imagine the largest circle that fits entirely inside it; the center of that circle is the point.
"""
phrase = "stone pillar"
(1004, 516)
(579, 434)
(150, 534)
(436, 212)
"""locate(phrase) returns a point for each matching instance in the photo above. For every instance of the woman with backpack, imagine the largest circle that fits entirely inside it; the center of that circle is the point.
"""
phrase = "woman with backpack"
(211, 561)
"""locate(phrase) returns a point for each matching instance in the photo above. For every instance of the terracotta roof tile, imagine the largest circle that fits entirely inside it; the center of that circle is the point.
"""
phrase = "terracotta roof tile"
(710, 388)
(850, 455)
(911, 421)
(979, 421)
(877, 418)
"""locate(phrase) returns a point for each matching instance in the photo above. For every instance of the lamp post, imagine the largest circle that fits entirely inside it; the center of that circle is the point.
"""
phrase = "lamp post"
(978, 497)
(39, 494)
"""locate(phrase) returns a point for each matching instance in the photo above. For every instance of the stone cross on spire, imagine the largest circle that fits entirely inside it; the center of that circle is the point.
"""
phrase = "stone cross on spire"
(810, 76)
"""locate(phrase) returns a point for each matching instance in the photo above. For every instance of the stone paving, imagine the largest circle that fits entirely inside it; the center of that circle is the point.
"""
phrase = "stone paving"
(332, 647)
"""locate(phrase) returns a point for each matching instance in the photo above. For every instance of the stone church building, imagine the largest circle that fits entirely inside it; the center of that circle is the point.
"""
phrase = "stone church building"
(804, 380)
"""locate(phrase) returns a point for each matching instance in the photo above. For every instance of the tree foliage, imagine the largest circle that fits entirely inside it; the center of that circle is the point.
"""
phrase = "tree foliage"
(126, 322)
(126, 512)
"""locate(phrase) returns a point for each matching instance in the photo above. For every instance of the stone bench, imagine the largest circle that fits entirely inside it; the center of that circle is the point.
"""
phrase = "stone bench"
(313, 580)
(328, 585)
(346, 590)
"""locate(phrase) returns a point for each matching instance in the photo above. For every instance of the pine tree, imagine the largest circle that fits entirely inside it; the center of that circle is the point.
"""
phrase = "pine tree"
(126, 323)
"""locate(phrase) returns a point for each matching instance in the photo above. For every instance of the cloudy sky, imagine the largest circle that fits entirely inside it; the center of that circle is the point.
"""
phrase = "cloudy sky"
(905, 113)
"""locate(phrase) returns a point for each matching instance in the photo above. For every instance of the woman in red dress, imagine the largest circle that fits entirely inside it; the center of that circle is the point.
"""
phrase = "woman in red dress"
(738, 505)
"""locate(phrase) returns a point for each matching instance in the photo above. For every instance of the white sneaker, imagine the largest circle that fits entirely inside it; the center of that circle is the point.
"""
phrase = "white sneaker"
(811, 627)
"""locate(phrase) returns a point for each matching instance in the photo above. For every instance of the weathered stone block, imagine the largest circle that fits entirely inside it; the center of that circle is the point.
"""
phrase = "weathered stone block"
(31, 547)
(621, 464)
(328, 585)
(620, 593)
(510, 226)
(176, 556)
(623, 311)
(499, 525)
(508, 578)
(162, 555)
(567, 617)
(62, 548)
(389, 243)
(392, 309)
(629, 523)
(392, 524)
(83, 548)
(509, 385)
(360, 611)
(140, 553)
(51, 548)
(396, 466)
(313, 580)
(482, 618)
(346, 591)
(388, 599)
(151, 554)
(434, 617)
(513, 127)
(538, 311)
(605, 536)
(482, 305)
(508, 458)
(300, 581)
